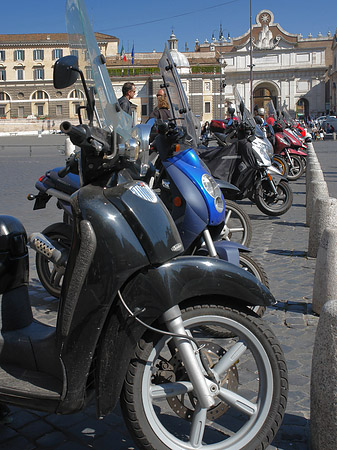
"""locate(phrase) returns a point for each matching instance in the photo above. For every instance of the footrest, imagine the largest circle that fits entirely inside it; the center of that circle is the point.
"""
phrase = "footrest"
(27, 384)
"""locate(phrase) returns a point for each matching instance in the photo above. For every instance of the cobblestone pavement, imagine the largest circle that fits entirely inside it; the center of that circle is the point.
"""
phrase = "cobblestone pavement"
(279, 244)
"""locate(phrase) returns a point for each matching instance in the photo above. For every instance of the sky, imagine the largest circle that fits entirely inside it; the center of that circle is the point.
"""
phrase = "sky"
(148, 25)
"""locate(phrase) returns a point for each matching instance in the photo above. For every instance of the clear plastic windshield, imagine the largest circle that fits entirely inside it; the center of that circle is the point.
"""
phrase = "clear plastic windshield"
(180, 109)
(82, 40)
(246, 115)
(271, 111)
(287, 117)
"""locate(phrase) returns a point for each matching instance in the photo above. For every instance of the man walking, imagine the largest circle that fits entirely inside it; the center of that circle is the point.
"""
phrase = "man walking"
(128, 91)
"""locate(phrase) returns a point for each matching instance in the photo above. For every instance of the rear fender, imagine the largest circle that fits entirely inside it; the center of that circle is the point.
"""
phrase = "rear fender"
(149, 295)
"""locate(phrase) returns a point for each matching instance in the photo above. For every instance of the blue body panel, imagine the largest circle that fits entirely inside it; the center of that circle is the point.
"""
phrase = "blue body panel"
(190, 165)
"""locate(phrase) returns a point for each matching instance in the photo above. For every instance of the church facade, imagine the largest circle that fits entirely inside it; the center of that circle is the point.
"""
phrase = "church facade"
(265, 64)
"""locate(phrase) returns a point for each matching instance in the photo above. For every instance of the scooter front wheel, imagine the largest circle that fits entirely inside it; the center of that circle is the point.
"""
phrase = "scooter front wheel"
(296, 169)
(279, 162)
(270, 203)
(250, 265)
(51, 275)
(159, 403)
(238, 227)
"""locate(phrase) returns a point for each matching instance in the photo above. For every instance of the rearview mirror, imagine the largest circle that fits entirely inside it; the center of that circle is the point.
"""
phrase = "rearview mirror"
(65, 72)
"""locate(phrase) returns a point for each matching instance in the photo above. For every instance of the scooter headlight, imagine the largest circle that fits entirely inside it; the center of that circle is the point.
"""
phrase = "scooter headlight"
(213, 190)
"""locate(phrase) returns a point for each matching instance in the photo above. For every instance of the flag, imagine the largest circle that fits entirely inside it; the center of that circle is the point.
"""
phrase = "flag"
(133, 53)
(122, 53)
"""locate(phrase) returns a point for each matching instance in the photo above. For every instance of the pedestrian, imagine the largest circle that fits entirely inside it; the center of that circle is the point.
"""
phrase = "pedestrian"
(128, 91)
(162, 110)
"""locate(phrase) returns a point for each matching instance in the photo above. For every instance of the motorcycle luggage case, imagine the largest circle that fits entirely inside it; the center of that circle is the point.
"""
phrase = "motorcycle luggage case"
(218, 126)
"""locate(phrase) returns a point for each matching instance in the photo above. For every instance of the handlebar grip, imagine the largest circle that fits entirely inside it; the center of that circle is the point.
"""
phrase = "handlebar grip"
(63, 172)
(75, 132)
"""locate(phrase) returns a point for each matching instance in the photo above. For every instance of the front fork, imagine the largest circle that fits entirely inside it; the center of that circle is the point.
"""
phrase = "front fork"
(203, 388)
(271, 182)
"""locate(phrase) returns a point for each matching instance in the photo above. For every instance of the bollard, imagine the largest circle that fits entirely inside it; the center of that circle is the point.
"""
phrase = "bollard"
(315, 189)
(69, 147)
(334, 135)
(325, 286)
(323, 391)
(313, 172)
(324, 216)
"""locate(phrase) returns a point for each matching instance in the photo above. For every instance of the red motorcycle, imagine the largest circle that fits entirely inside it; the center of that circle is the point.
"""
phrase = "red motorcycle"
(287, 145)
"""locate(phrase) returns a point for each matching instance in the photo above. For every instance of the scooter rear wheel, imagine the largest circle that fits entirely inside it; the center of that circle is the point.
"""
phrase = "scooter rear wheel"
(279, 162)
(159, 403)
(250, 265)
(51, 275)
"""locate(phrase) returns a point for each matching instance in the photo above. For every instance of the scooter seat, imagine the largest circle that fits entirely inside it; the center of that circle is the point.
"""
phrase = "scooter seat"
(68, 184)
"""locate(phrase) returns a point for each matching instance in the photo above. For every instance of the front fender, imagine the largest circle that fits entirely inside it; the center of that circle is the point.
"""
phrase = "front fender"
(154, 292)
(275, 174)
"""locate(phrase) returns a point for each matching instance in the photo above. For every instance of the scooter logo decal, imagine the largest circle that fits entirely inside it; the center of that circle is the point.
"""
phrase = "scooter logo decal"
(177, 248)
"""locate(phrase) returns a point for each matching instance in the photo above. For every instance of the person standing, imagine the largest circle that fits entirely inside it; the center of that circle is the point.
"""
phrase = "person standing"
(129, 91)
(162, 111)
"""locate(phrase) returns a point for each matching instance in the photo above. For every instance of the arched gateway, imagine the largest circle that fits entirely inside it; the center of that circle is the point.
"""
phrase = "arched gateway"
(263, 93)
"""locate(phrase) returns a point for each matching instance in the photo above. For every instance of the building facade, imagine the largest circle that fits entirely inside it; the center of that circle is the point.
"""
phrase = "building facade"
(299, 73)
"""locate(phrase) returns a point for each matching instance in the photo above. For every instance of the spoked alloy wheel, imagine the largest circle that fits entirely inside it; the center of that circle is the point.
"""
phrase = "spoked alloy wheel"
(279, 162)
(250, 265)
(297, 169)
(271, 204)
(51, 275)
(160, 406)
(238, 227)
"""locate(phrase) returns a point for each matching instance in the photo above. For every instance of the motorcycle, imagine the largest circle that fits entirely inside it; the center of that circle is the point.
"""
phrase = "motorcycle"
(169, 335)
(243, 158)
(287, 145)
(184, 185)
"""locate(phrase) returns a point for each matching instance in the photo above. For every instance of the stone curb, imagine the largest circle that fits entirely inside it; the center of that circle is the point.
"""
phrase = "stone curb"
(315, 189)
(323, 404)
(325, 286)
(325, 215)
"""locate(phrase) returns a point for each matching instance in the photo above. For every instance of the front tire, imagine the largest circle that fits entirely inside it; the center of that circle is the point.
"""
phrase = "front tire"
(270, 204)
(238, 226)
(297, 169)
(51, 275)
(249, 405)
(250, 265)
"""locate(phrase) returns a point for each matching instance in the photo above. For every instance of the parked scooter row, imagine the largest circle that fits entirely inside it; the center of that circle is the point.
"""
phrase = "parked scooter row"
(287, 141)
(169, 335)
(243, 157)
(183, 183)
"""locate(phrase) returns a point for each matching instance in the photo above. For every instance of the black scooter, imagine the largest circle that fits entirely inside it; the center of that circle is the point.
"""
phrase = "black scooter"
(169, 335)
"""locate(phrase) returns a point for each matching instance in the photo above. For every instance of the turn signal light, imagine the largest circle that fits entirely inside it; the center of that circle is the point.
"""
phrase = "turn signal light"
(177, 201)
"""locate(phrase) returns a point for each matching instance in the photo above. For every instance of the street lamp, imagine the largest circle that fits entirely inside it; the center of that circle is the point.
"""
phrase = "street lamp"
(223, 64)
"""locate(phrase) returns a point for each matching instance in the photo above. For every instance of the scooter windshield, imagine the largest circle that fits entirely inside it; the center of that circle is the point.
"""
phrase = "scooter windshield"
(271, 111)
(180, 109)
(83, 43)
(287, 117)
(246, 115)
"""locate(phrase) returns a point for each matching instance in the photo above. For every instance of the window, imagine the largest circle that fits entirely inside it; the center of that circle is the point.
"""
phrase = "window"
(59, 110)
(2, 111)
(4, 96)
(89, 75)
(144, 110)
(40, 109)
(57, 53)
(38, 55)
(207, 86)
(76, 94)
(207, 107)
(39, 95)
(74, 53)
(2, 55)
(19, 55)
(19, 74)
(3, 74)
(38, 74)
(76, 106)
(21, 111)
